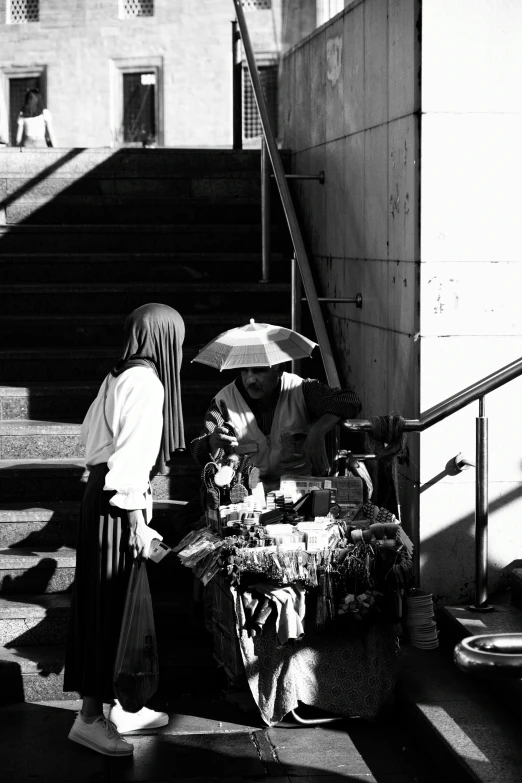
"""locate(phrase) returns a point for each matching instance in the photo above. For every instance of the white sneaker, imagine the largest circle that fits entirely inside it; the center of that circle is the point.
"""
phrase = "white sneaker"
(100, 736)
(136, 722)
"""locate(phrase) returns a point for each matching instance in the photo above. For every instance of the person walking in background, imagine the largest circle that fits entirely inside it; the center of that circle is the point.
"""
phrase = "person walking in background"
(35, 125)
(134, 424)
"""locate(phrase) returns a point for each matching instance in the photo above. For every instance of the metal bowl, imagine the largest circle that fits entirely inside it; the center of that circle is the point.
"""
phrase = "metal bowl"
(498, 654)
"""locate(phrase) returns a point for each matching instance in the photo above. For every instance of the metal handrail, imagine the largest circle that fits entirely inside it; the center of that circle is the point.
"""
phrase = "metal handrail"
(456, 402)
(288, 207)
(452, 404)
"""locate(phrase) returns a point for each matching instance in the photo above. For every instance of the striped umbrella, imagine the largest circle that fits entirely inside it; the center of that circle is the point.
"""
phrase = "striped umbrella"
(254, 345)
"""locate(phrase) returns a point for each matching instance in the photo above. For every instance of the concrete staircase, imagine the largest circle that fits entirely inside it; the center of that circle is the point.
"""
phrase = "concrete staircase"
(85, 237)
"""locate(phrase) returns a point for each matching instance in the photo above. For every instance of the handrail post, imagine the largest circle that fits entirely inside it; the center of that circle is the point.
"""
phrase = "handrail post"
(237, 87)
(296, 307)
(266, 212)
(481, 512)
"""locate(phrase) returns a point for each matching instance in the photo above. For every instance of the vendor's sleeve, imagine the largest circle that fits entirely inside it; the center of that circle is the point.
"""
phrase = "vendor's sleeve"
(137, 439)
(321, 399)
(199, 447)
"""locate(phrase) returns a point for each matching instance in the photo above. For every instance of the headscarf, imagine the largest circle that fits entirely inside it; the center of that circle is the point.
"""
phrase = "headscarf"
(153, 337)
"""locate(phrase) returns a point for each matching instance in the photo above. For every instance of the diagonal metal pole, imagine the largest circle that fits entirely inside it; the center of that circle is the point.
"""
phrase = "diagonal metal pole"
(291, 217)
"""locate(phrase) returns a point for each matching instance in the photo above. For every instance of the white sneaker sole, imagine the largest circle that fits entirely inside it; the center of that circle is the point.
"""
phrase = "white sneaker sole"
(105, 751)
(144, 729)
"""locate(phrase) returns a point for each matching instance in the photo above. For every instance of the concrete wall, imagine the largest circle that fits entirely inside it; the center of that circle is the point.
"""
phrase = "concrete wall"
(77, 40)
(471, 275)
(350, 100)
(441, 313)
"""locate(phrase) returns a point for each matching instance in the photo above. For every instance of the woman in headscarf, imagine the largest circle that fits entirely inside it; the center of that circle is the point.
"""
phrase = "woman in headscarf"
(134, 425)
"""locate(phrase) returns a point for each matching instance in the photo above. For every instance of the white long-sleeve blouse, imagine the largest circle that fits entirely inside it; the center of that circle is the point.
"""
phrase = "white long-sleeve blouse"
(131, 405)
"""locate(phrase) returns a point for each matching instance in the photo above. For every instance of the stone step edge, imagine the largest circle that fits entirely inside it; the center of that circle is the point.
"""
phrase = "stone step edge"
(17, 512)
(90, 319)
(25, 427)
(431, 721)
(72, 466)
(43, 388)
(183, 649)
(132, 228)
(97, 352)
(198, 255)
(25, 605)
(62, 197)
(19, 558)
(184, 286)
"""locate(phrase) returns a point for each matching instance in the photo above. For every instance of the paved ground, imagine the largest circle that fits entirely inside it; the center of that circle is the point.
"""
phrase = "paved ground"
(209, 741)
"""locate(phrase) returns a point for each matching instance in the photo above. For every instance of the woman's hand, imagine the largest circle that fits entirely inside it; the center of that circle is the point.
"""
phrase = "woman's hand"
(138, 539)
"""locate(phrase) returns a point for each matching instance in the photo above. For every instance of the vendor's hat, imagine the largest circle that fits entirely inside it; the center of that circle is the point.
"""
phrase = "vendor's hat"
(254, 345)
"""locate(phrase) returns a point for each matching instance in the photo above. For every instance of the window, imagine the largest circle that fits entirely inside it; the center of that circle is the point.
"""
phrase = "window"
(17, 90)
(130, 9)
(257, 5)
(23, 11)
(251, 121)
(139, 108)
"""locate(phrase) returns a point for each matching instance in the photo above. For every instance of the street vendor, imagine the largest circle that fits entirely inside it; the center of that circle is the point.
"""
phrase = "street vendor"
(276, 417)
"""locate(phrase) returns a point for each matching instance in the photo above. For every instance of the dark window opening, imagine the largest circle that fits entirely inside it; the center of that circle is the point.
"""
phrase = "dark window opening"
(17, 90)
(139, 108)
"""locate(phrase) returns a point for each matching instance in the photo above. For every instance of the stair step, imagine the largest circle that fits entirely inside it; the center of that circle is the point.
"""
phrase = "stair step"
(119, 267)
(70, 401)
(65, 329)
(186, 187)
(84, 364)
(39, 440)
(202, 296)
(34, 673)
(66, 210)
(470, 721)
(30, 439)
(51, 524)
(142, 238)
(29, 571)
(28, 619)
(61, 479)
(129, 163)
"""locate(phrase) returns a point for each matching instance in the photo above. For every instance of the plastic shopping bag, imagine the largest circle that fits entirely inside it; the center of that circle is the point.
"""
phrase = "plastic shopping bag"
(136, 671)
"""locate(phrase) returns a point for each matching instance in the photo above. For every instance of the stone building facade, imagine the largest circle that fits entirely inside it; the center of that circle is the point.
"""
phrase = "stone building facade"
(130, 71)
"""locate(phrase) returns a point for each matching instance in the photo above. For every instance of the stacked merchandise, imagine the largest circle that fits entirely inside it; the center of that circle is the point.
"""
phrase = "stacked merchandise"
(420, 620)
(313, 536)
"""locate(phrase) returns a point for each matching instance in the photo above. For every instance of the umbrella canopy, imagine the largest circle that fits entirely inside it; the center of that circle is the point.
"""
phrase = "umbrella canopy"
(254, 345)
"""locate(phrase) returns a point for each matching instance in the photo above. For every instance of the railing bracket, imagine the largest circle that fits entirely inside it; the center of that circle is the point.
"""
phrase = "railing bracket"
(357, 300)
(319, 177)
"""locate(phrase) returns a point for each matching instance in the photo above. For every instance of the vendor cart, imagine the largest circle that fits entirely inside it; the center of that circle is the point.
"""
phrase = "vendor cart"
(305, 608)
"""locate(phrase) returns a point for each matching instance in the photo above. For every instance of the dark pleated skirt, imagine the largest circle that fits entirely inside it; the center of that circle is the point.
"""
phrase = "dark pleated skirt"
(103, 564)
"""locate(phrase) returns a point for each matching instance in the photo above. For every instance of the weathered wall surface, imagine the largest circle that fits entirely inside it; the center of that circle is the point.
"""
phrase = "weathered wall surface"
(77, 39)
(441, 313)
(471, 275)
(350, 101)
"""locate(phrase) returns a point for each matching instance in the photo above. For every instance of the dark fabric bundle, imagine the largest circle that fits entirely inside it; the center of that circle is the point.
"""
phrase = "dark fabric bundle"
(388, 439)
(388, 442)
(154, 336)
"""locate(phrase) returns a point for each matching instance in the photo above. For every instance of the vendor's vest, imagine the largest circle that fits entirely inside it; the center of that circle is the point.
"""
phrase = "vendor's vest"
(275, 454)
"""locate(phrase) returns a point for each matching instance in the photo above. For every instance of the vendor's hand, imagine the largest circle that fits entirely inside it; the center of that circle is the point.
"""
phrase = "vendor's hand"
(315, 452)
(221, 439)
(138, 539)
